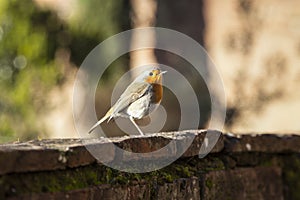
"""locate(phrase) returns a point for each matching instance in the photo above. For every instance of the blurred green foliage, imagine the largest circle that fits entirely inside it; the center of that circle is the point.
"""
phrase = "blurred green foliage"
(94, 21)
(29, 39)
(27, 68)
(100, 19)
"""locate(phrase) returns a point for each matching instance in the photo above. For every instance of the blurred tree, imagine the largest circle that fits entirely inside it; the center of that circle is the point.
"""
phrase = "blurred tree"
(192, 24)
(93, 22)
(30, 39)
(27, 67)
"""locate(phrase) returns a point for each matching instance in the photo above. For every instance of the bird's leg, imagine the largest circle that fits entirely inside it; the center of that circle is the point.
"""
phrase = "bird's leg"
(136, 126)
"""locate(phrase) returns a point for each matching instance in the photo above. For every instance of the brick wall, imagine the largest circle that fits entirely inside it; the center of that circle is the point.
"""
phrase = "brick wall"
(239, 167)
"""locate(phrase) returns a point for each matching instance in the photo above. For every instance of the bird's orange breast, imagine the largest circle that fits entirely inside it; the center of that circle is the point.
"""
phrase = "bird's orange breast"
(156, 81)
(157, 93)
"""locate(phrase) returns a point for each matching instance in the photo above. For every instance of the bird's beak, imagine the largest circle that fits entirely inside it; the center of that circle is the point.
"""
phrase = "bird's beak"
(162, 72)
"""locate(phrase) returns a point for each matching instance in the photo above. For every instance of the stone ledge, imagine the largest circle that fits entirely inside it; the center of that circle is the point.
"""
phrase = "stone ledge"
(43, 155)
(265, 143)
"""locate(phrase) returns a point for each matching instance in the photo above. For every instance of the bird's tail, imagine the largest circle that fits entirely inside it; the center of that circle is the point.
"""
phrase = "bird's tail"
(107, 115)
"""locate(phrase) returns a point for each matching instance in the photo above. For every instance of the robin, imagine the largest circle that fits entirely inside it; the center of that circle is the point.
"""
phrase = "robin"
(135, 102)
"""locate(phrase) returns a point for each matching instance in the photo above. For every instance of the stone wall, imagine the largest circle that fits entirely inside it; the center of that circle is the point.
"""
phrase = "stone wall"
(239, 167)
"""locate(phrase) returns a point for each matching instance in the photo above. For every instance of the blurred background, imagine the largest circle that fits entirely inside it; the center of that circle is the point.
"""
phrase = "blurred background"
(254, 44)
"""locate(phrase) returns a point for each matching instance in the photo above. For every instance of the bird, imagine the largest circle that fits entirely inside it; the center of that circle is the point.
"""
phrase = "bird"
(135, 102)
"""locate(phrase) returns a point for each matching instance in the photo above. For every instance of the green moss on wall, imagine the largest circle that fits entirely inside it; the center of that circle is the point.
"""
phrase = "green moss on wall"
(87, 176)
(291, 176)
(83, 177)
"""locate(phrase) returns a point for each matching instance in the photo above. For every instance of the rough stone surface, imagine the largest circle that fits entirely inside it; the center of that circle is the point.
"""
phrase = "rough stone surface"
(78, 156)
(260, 183)
(263, 143)
(41, 155)
(121, 192)
(75, 194)
(30, 160)
(180, 189)
(183, 188)
(199, 141)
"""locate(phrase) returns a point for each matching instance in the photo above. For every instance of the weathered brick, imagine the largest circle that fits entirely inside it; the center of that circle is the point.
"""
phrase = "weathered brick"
(269, 143)
(259, 183)
(184, 188)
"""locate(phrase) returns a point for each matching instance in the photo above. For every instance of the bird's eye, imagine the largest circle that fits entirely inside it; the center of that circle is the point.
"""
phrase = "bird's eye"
(151, 74)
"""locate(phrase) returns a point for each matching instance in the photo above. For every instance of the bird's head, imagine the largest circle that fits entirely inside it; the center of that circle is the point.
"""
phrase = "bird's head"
(153, 76)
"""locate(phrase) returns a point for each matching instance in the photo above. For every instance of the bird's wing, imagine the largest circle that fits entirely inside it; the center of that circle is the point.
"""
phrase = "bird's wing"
(133, 92)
